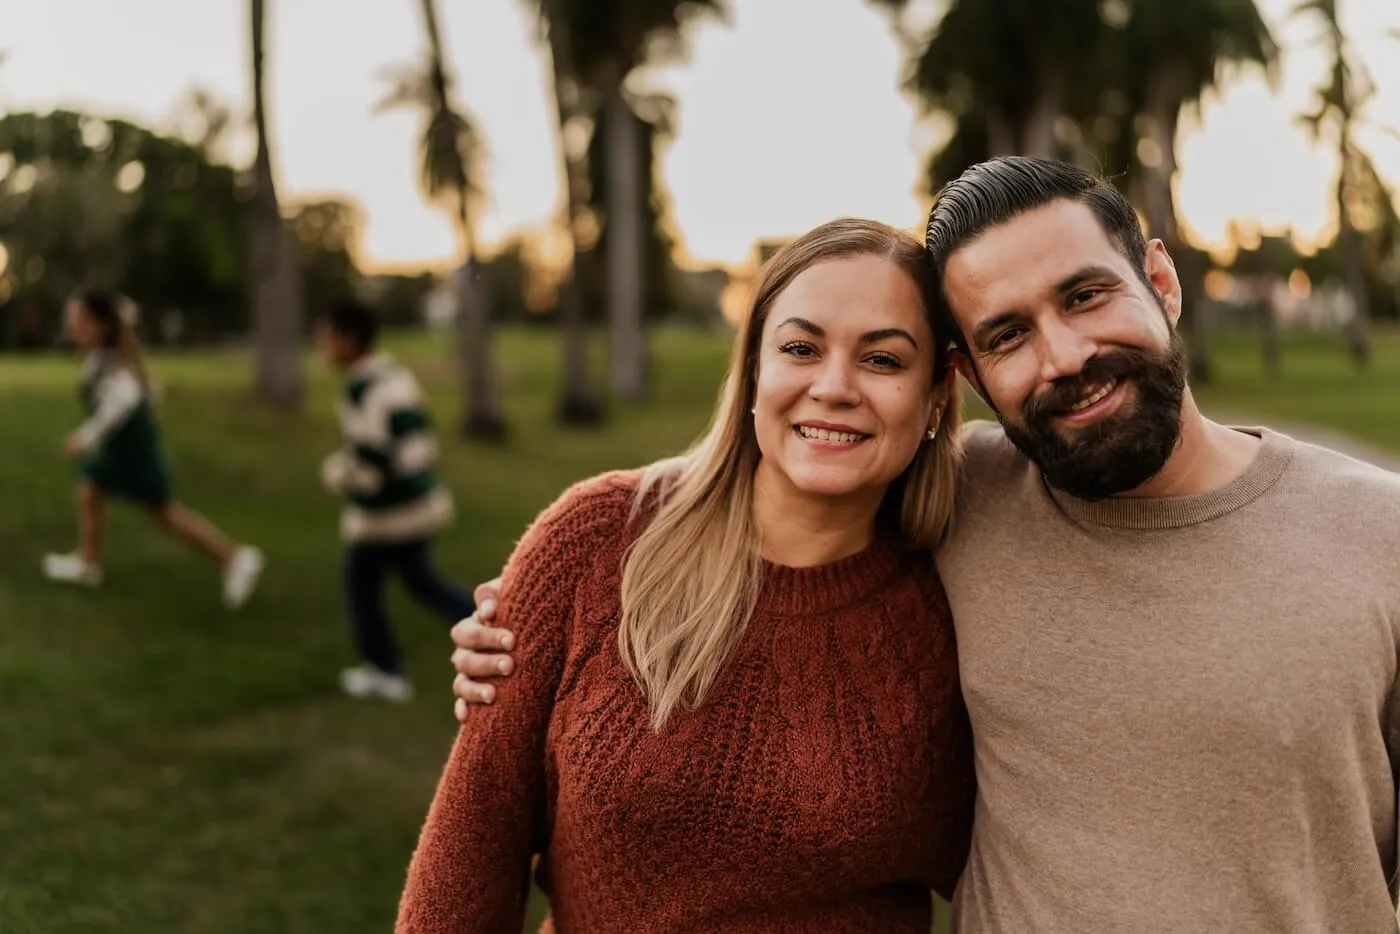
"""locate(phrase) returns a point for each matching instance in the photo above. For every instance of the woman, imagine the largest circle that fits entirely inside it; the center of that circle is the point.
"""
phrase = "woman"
(119, 454)
(683, 743)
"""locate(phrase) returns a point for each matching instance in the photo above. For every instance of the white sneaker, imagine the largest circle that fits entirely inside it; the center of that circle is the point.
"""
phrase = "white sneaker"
(367, 682)
(241, 576)
(72, 569)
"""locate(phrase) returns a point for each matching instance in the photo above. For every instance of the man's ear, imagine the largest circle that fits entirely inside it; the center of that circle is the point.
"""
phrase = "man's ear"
(968, 370)
(1161, 272)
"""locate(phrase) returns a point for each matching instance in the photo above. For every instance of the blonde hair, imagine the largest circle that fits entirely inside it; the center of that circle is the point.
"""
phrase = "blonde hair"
(691, 579)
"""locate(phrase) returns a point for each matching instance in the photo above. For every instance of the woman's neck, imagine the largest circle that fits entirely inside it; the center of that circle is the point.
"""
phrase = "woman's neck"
(799, 530)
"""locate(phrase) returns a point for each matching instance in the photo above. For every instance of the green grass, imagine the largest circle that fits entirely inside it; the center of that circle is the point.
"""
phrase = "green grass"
(168, 766)
(1316, 384)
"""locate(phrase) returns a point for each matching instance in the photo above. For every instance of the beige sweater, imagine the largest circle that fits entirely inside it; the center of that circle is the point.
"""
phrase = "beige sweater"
(1185, 710)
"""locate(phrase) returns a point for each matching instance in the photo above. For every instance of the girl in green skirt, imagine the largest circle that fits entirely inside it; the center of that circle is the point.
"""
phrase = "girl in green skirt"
(120, 454)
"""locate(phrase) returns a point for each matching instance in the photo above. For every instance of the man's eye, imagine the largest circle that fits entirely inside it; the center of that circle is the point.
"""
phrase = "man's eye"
(1006, 337)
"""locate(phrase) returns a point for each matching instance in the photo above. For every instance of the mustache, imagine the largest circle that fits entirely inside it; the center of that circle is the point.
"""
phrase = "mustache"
(1059, 396)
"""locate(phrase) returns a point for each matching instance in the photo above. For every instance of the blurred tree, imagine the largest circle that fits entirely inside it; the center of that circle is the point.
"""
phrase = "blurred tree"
(111, 204)
(1166, 58)
(451, 150)
(595, 47)
(1012, 67)
(327, 235)
(107, 203)
(579, 402)
(654, 124)
(1340, 103)
(277, 298)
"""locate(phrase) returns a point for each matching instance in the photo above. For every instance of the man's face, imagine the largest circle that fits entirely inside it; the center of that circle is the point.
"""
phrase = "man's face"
(1075, 351)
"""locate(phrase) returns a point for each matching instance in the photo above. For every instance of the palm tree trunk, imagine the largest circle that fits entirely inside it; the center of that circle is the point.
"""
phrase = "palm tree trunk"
(482, 413)
(1358, 332)
(1162, 112)
(277, 297)
(626, 244)
(578, 404)
(1001, 135)
(1037, 133)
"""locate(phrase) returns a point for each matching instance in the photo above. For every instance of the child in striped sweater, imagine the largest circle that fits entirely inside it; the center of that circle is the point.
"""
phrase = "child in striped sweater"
(120, 454)
(395, 504)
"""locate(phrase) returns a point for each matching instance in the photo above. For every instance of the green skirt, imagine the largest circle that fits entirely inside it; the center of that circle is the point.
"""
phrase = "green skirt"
(130, 466)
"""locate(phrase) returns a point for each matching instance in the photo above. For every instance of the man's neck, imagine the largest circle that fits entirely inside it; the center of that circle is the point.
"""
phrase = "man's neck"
(1207, 457)
(804, 531)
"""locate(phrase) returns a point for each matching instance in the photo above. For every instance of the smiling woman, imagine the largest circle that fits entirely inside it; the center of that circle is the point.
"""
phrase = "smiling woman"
(685, 744)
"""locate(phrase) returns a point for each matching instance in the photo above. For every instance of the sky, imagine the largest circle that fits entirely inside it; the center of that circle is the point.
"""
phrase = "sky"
(789, 113)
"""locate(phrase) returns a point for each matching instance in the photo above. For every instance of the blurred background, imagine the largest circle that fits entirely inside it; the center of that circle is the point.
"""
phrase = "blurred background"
(557, 206)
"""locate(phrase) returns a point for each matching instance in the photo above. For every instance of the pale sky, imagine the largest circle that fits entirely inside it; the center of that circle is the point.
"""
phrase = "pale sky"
(789, 115)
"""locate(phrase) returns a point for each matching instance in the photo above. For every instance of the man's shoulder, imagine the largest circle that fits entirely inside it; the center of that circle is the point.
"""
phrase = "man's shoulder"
(989, 457)
(1339, 477)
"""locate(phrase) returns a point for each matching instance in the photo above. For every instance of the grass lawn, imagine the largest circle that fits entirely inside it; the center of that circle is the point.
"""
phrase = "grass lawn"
(171, 767)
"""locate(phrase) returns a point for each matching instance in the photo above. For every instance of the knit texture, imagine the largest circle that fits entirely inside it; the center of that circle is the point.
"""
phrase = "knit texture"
(825, 785)
(1185, 709)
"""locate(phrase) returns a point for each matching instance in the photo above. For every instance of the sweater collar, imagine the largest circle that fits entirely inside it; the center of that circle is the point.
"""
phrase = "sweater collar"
(1274, 455)
(793, 591)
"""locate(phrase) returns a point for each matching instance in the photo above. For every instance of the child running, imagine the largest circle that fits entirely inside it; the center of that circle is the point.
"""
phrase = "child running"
(395, 505)
(120, 454)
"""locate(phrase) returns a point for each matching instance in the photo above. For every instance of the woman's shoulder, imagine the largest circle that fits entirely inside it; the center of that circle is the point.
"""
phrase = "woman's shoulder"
(602, 500)
(920, 572)
(590, 517)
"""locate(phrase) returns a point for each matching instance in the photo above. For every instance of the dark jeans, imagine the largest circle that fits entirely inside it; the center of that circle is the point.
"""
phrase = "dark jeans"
(367, 565)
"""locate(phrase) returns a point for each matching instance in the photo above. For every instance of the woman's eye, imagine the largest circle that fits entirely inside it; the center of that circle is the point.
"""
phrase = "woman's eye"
(884, 361)
(798, 349)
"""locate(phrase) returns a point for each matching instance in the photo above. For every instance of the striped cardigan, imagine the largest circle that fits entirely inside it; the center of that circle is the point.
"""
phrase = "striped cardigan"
(386, 467)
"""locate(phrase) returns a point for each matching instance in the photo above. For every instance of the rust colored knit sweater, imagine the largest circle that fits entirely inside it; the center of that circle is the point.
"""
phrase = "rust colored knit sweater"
(825, 785)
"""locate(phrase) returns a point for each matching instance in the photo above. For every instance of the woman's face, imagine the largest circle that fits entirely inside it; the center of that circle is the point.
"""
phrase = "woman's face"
(80, 327)
(845, 388)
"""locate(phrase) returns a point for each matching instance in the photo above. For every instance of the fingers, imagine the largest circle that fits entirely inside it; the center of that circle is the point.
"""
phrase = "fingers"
(470, 634)
(487, 595)
(470, 692)
(478, 665)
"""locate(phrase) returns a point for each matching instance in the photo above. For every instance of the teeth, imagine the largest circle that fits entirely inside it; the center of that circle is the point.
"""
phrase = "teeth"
(821, 434)
(1090, 400)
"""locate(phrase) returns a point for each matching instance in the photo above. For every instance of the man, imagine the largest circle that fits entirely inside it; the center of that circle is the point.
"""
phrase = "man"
(1178, 640)
(395, 505)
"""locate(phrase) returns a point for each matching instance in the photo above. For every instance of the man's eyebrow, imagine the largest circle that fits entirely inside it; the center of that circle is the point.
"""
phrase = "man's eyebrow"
(1085, 274)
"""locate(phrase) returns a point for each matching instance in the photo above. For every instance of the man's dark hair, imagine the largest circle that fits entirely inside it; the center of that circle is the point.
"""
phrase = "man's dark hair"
(995, 191)
(358, 322)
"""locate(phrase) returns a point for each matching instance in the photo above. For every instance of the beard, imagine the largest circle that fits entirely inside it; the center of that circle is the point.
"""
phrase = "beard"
(1121, 452)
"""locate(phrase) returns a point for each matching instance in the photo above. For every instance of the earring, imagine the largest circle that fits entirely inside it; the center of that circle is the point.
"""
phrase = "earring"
(931, 433)
(753, 411)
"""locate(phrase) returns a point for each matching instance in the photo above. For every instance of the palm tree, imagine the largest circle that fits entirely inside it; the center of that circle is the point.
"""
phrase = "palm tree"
(1017, 65)
(451, 153)
(1170, 54)
(578, 403)
(277, 297)
(600, 45)
(1340, 102)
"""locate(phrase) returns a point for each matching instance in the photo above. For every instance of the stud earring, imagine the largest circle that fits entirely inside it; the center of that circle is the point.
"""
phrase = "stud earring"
(931, 433)
(753, 411)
